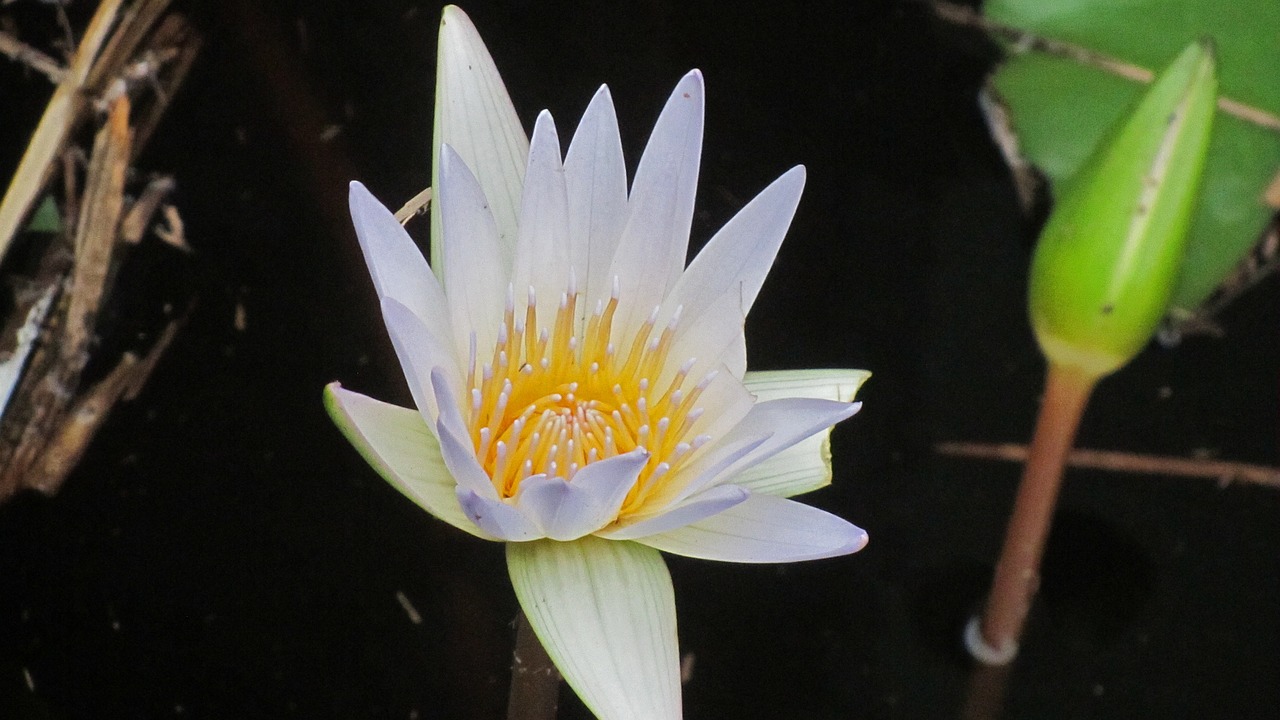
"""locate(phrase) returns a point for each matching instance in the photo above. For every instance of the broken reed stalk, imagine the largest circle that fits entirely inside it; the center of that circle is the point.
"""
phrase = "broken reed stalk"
(66, 109)
(994, 640)
(130, 63)
(535, 682)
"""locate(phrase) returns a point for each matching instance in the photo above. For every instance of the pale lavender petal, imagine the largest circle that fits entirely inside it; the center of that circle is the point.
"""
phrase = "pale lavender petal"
(719, 344)
(542, 250)
(787, 421)
(568, 510)
(763, 529)
(703, 505)
(738, 257)
(718, 288)
(401, 447)
(420, 352)
(475, 274)
(806, 465)
(474, 115)
(455, 442)
(498, 518)
(705, 471)
(596, 181)
(801, 468)
(724, 403)
(654, 242)
(396, 265)
(610, 480)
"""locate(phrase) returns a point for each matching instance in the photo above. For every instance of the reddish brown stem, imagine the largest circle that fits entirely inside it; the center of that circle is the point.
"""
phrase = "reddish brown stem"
(1017, 574)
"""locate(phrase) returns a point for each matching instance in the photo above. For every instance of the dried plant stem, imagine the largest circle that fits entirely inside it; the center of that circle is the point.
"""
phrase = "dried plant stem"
(535, 682)
(65, 110)
(1017, 574)
(20, 52)
(1223, 471)
(131, 60)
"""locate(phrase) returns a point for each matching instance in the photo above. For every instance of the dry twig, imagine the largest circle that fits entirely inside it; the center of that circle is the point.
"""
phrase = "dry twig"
(1222, 471)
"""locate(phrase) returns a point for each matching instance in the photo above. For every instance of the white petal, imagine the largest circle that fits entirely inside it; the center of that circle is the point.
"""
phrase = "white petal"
(805, 466)
(801, 468)
(738, 257)
(720, 285)
(704, 472)
(475, 116)
(596, 181)
(398, 444)
(568, 510)
(786, 421)
(839, 385)
(654, 242)
(542, 250)
(419, 352)
(498, 518)
(606, 614)
(398, 269)
(475, 275)
(611, 479)
(700, 506)
(763, 529)
(724, 402)
(455, 442)
(714, 338)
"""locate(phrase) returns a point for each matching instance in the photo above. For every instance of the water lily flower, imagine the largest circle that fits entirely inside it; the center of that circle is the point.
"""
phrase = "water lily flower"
(581, 395)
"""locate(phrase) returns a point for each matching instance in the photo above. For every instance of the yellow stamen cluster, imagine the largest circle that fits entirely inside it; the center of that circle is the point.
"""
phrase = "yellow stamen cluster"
(550, 402)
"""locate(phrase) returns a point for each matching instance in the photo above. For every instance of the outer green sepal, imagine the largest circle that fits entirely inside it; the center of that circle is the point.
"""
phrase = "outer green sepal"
(1109, 257)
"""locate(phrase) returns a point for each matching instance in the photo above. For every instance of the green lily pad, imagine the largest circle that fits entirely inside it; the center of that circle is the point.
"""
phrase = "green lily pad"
(1062, 107)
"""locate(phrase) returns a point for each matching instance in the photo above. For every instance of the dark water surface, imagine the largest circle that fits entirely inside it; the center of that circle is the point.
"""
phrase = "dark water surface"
(223, 553)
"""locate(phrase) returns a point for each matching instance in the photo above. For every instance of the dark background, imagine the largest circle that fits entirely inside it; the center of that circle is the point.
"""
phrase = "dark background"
(221, 552)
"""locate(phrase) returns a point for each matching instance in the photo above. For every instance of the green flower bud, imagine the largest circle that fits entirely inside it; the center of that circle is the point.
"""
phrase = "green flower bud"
(1110, 254)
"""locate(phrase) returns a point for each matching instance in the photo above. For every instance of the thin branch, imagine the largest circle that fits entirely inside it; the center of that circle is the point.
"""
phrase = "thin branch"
(24, 54)
(1221, 470)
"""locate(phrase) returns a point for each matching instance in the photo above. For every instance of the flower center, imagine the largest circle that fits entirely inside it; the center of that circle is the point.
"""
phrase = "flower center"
(550, 402)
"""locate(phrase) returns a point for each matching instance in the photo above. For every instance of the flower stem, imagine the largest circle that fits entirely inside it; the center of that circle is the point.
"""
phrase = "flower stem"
(535, 682)
(1017, 576)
